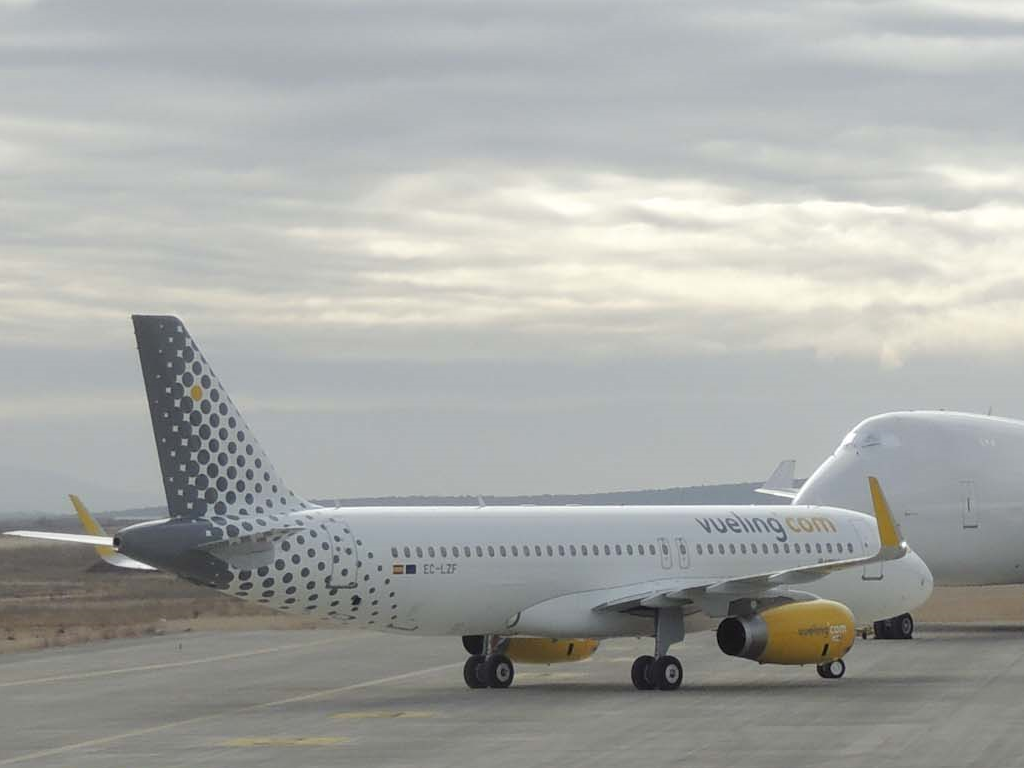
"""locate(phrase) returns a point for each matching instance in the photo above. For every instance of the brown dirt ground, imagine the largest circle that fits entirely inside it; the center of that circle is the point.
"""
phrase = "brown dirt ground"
(55, 594)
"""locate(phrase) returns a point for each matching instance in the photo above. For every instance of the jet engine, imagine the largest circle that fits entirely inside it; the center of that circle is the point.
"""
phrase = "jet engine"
(536, 650)
(545, 650)
(813, 632)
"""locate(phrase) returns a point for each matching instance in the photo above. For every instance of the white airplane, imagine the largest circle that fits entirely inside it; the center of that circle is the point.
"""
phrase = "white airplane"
(787, 585)
(954, 481)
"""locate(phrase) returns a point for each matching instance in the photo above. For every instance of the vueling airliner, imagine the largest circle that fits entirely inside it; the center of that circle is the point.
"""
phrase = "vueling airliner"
(786, 584)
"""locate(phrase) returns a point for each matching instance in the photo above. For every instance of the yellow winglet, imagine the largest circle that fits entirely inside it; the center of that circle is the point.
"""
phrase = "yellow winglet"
(91, 526)
(887, 534)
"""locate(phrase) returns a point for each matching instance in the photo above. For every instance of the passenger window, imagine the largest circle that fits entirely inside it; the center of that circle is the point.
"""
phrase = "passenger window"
(455, 551)
(607, 550)
(775, 548)
(430, 551)
(682, 548)
(594, 550)
(444, 552)
(480, 551)
(572, 550)
(721, 549)
(764, 549)
(818, 547)
(651, 549)
(515, 551)
(561, 550)
(743, 549)
(419, 551)
(467, 552)
(700, 550)
(664, 548)
(406, 551)
(526, 550)
(490, 550)
(537, 550)
(828, 547)
(394, 551)
(732, 549)
(629, 549)
(551, 551)
(785, 547)
(502, 550)
(618, 549)
(583, 549)
(849, 547)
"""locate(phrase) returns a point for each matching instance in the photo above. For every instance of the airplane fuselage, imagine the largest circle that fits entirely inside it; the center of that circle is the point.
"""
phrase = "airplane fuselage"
(954, 482)
(541, 570)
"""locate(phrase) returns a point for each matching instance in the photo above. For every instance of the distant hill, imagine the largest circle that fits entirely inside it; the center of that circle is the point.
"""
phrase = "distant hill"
(730, 493)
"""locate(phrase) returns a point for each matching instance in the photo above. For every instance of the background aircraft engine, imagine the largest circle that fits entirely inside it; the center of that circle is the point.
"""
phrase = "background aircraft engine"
(814, 632)
(544, 650)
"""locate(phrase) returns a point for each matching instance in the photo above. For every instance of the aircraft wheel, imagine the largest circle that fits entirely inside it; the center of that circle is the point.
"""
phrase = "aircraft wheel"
(472, 670)
(883, 630)
(904, 626)
(641, 673)
(832, 670)
(498, 671)
(667, 673)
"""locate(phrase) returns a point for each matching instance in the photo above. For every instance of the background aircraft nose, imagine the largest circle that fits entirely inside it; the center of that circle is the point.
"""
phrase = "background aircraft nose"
(841, 481)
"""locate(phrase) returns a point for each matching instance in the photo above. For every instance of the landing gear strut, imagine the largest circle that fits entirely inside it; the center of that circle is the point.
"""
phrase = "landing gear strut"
(899, 628)
(661, 671)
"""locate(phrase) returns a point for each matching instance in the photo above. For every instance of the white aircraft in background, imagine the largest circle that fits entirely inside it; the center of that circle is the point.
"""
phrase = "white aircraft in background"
(955, 485)
(787, 585)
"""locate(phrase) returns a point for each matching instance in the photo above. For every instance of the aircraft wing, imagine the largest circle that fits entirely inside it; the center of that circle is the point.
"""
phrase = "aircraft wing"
(781, 481)
(774, 584)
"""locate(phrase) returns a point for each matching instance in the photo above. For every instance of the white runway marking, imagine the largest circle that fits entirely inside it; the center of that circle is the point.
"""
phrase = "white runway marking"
(206, 718)
(164, 665)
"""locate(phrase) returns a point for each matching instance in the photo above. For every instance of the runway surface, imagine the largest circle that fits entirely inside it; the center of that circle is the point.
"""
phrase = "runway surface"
(954, 696)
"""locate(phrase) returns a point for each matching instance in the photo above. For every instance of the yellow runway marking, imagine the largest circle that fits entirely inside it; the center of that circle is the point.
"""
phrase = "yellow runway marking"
(207, 718)
(383, 714)
(548, 675)
(165, 665)
(287, 741)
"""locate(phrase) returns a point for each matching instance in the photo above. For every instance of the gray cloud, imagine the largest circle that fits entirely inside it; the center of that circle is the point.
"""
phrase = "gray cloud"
(523, 185)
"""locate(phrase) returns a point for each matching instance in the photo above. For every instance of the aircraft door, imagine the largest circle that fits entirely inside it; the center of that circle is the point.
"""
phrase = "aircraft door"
(666, 553)
(968, 504)
(872, 571)
(684, 552)
(344, 556)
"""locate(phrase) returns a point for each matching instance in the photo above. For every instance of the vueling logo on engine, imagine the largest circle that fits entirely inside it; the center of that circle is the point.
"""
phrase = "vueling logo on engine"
(754, 524)
(835, 632)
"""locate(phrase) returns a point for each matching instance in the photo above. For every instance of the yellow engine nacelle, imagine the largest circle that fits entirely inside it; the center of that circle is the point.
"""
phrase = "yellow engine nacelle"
(544, 650)
(814, 632)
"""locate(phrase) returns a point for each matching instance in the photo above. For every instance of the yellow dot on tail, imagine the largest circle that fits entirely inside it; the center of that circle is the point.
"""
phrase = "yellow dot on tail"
(196, 392)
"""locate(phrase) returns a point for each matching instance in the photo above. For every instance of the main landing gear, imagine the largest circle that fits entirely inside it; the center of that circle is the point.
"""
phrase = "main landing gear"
(832, 670)
(494, 671)
(661, 671)
(899, 628)
(487, 666)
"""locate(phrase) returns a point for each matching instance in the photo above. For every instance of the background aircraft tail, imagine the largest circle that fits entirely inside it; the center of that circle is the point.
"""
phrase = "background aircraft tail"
(211, 463)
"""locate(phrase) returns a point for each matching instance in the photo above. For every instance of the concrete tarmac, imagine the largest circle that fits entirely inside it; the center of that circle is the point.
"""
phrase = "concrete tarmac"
(954, 696)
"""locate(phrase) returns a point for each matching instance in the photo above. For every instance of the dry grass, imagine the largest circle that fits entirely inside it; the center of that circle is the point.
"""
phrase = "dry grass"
(56, 594)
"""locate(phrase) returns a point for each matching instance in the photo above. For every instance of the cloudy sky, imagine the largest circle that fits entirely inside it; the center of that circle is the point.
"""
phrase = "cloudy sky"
(499, 247)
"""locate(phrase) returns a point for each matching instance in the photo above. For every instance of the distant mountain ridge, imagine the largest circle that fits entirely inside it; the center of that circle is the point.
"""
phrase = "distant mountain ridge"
(727, 493)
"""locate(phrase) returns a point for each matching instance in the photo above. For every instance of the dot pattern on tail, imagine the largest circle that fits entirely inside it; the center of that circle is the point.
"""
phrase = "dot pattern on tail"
(210, 461)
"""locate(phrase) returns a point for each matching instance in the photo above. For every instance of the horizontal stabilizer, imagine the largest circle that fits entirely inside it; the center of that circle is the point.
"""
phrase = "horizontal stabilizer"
(74, 538)
(781, 481)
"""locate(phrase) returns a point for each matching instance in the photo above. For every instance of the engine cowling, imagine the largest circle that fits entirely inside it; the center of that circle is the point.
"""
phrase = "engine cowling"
(813, 632)
(544, 650)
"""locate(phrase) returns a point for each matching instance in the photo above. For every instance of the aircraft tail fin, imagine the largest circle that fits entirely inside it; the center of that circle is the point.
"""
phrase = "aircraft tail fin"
(211, 463)
(781, 482)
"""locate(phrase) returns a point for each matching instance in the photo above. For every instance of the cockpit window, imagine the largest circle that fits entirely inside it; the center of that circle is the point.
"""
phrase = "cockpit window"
(869, 438)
